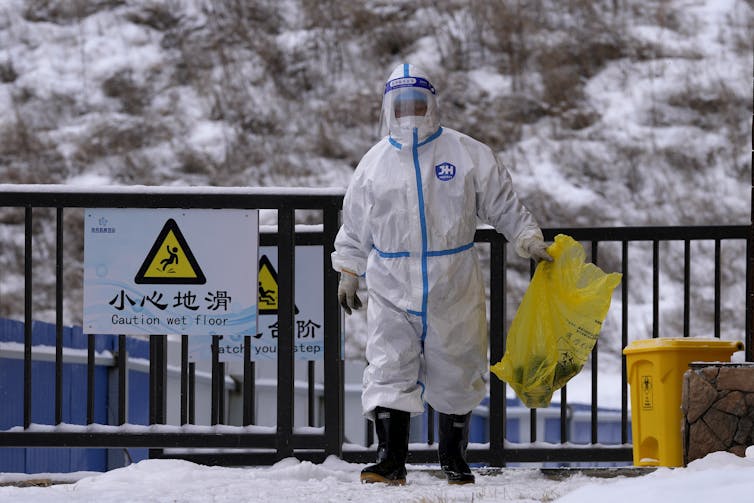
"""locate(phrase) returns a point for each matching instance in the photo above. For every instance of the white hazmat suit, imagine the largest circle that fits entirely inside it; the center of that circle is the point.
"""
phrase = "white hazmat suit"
(409, 218)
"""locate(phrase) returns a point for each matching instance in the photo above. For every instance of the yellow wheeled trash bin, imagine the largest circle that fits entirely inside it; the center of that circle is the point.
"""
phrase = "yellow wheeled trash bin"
(655, 374)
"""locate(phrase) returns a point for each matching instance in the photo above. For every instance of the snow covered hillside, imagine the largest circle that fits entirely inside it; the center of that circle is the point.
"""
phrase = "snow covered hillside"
(607, 112)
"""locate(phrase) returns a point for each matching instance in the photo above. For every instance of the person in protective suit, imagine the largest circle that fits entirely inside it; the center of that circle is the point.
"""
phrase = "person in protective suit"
(409, 218)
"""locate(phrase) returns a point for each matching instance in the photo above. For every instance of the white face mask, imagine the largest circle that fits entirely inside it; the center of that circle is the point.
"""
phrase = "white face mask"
(410, 122)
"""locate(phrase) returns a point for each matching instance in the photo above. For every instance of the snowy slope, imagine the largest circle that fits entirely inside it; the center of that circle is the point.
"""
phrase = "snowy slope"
(607, 113)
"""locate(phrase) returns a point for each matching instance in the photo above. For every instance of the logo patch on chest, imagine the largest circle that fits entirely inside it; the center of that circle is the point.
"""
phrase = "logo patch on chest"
(445, 171)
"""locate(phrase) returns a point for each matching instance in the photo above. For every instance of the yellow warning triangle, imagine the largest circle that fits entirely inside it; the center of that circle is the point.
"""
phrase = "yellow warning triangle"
(267, 301)
(170, 261)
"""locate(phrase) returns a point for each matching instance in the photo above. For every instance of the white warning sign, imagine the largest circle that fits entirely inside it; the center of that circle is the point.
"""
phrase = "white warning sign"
(308, 331)
(170, 271)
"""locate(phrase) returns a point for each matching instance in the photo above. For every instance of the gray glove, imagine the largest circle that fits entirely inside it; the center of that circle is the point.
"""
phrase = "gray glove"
(533, 246)
(347, 286)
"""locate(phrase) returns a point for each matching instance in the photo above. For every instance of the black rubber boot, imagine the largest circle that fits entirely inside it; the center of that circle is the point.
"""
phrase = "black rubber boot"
(454, 437)
(392, 434)
(379, 427)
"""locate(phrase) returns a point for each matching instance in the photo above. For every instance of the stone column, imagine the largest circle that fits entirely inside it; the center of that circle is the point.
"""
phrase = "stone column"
(717, 403)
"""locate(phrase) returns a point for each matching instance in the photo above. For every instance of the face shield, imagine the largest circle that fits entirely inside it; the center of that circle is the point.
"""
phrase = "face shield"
(409, 103)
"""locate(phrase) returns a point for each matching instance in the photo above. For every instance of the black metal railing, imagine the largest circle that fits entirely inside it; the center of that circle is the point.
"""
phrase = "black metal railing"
(263, 446)
(284, 441)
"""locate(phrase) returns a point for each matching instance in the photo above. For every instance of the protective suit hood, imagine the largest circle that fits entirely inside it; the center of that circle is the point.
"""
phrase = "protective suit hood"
(408, 93)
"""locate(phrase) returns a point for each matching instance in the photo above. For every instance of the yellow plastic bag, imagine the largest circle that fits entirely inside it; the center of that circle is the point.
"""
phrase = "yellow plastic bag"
(557, 323)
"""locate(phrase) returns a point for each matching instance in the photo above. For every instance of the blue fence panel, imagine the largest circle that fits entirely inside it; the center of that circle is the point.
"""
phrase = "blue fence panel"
(552, 429)
(11, 331)
(39, 460)
(43, 412)
(513, 430)
(11, 412)
(608, 432)
(478, 431)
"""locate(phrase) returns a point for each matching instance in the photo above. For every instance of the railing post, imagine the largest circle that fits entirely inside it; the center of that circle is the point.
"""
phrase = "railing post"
(157, 383)
(218, 382)
(122, 380)
(430, 425)
(310, 395)
(249, 382)
(686, 287)
(532, 412)
(27, 315)
(90, 365)
(192, 392)
(624, 343)
(750, 297)
(286, 309)
(157, 378)
(655, 289)
(333, 360)
(59, 316)
(184, 378)
(497, 406)
(750, 274)
(595, 366)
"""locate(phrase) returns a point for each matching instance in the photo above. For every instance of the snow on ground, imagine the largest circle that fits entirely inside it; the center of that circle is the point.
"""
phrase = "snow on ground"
(75, 60)
(717, 476)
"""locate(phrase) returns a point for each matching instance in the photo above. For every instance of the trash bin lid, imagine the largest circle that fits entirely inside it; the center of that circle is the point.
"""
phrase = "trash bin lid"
(681, 344)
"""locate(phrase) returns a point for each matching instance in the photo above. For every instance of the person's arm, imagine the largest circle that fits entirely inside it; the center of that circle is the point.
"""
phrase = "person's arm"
(353, 241)
(498, 205)
(352, 244)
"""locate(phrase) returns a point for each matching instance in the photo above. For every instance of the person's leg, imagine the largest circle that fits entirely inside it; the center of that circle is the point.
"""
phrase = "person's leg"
(456, 367)
(454, 437)
(391, 463)
(455, 361)
(455, 390)
(391, 391)
(393, 348)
